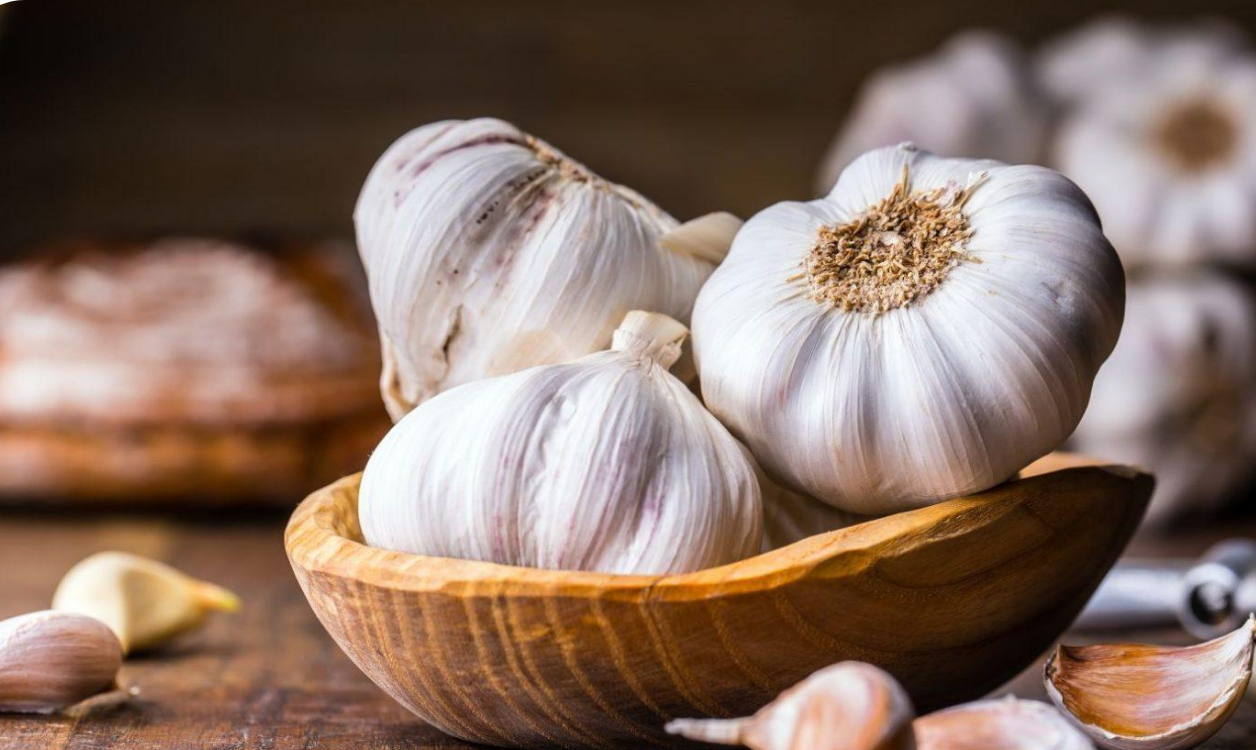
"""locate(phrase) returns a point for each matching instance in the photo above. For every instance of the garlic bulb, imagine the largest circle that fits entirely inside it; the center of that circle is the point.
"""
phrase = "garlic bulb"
(1169, 158)
(790, 516)
(1136, 697)
(1179, 393)
(1004, 724)
(977, 97)
(608, 463)
(488, 251)
(1115, 51)
(848, 706)
(924, 331)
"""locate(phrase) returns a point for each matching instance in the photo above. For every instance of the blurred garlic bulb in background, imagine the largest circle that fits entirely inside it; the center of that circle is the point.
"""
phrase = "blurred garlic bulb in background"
(1168, 154)
(970, 98)
(1178, 394)
(489, 251)
(1113, 51)
(790, 516)
(926, 330)
(608, 463)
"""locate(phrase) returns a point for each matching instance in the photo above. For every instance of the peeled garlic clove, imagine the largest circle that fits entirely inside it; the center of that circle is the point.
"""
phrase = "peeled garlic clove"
(145, 602)
(608, 463)
(50, 660)
(848, 706)
(998, 724)
(1131, 697)
(923, 332)
(488, 251)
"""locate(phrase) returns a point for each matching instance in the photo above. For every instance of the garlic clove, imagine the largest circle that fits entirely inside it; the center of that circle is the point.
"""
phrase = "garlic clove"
(706, 237)
(1006, 723)
(144, 602)
(848, 706)
(50, 660)
(1156, 697)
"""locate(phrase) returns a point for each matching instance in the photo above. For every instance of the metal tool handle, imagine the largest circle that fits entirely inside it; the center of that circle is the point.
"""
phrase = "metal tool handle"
(1136, 594)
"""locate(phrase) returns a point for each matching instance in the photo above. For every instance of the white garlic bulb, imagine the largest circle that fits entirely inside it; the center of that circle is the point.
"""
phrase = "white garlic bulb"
(924, 331)
(608, 463)
(1115, 51)
(488, 251)
(977, 97)
(1179, 392)
(1169, 156)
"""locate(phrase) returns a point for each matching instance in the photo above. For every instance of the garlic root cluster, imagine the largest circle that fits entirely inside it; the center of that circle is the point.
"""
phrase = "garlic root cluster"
(608, 463)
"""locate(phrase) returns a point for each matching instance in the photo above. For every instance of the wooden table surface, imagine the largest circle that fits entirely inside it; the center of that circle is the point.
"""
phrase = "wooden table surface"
(269, 677)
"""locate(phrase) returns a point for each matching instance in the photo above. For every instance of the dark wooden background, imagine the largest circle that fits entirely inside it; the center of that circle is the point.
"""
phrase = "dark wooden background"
(121, 116)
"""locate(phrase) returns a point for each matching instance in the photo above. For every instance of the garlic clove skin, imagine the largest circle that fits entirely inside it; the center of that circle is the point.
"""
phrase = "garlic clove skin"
(145, 602)
(896, 393)
(848, 706)
(51, 660)
(1179, 393)
(1004, 724)
(488, 251)
(607, 464)
(1133, 697)
(976, 89)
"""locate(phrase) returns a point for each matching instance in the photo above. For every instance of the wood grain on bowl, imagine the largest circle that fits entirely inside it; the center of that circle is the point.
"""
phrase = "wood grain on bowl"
(952, 600)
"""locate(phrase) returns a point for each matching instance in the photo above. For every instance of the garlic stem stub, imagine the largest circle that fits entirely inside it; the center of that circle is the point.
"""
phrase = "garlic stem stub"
(1004, 724)
(925, 331)
(489, 251)
(52, 660)
(1135, 697)
(848, 706)
(607, 464)
(145, 602)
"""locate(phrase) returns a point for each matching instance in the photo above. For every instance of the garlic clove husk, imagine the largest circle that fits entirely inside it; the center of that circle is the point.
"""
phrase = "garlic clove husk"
(488, 251)
(923, 332)
(144, 602)
(1134, 697)
(51, 660)
(848, 706)
(1004, 724)
(608, 463)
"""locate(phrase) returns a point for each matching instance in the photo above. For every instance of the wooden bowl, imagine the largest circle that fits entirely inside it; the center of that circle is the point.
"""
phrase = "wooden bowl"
(952, 599)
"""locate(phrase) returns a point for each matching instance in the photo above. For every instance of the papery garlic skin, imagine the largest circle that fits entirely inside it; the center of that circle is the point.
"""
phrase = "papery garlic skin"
(948, 393)
(608, 464)
(488, 251)
(972, 97)
(1178, 394)
(1169, 158)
